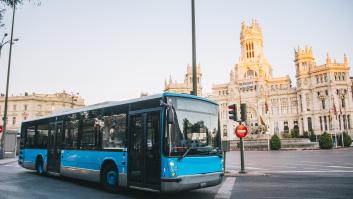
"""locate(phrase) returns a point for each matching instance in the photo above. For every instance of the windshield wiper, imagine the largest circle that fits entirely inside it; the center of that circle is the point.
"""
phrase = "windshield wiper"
(185, 153)
(188, 150)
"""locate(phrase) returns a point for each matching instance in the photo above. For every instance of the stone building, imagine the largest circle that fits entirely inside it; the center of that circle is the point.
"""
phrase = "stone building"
(321, 101)
(32, 106)
(186, 86)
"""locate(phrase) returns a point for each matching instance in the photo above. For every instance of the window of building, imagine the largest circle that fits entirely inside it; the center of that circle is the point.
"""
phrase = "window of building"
(349, 121)
(301, 103)
(285, 127)
(323, 103)
(343, 102)
(339, 122)
(25, 107)
(326, 92)
(344, 122)
(320, 123)
(308, 102)
(310, 125)
(114, 131)
(13, 120)
(325, 122)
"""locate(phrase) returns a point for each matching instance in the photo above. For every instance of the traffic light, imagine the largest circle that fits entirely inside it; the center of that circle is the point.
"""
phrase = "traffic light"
(232, 112)
(1, 129)
(243, 112)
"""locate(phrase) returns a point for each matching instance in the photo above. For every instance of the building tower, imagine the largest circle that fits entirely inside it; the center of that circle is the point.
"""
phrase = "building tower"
(304, 63)
(252, 56)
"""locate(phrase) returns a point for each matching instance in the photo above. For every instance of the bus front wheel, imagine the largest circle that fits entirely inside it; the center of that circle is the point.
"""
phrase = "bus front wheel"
(109, 179)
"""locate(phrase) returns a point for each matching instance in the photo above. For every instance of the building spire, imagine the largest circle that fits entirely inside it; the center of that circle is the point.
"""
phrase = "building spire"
(328, 59)
(345, 59)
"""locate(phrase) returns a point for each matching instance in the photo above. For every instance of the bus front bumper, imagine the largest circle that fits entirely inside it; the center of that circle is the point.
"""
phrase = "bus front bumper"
(189, 182)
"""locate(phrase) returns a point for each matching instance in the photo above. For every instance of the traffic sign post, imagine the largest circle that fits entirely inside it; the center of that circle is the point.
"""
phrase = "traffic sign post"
(241, 131)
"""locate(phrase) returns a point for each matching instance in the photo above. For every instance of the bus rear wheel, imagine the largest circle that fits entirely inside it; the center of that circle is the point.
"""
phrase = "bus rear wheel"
(109, 178)
(40, 166)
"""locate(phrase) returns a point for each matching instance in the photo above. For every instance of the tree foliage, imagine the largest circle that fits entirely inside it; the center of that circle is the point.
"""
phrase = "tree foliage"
(275, 143)
(347, 140)
(9, 3)
(294, 133)
(325, 141)
(312, 136)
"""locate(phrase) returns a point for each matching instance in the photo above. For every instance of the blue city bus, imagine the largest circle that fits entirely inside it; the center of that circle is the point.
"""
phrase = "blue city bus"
(168, 142)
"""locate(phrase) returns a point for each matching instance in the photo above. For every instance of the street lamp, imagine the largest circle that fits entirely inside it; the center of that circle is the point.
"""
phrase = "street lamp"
(2, 152)
(2, 44)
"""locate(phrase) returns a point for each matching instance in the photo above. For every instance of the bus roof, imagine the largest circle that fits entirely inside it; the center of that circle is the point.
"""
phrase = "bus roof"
(116, 103)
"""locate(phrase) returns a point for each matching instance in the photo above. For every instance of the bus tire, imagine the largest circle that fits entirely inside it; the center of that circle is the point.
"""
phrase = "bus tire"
(109, 177)
(40, 166)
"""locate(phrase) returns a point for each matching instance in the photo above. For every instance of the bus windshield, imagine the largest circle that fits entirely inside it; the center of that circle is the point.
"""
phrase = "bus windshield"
(195, 128)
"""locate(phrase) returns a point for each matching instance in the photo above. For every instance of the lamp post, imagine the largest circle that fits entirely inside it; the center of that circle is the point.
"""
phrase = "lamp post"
(194, 73)
(2, 155)
(2, 44)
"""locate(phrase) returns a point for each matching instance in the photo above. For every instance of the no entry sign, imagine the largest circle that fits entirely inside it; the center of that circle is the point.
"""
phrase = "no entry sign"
(241, 131)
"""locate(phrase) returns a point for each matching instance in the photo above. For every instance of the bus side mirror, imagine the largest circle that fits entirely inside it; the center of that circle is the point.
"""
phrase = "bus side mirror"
(170, 116)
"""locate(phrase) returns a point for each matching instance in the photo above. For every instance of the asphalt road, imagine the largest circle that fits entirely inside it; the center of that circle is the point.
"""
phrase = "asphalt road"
(283, 174)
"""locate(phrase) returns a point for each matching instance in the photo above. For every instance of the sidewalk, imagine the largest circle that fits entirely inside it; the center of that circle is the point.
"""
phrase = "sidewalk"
(8, 160)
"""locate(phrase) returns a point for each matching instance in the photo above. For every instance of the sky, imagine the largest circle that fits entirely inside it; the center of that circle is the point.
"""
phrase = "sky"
(116, 49)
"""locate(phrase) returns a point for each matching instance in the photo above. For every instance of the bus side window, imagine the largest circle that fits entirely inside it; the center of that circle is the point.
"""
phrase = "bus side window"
(42, 135)
(114, 132)
(71, 134)
(89, 134)
(30, 136)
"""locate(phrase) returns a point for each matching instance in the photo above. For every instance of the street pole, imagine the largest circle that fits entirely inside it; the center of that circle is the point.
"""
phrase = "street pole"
(242, 168)
(7, 84)
(194, 75)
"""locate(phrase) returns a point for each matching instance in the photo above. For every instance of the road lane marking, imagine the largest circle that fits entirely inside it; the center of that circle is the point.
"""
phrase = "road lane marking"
(225, 191)
(324, 171)
(343, 167)
(254, 168)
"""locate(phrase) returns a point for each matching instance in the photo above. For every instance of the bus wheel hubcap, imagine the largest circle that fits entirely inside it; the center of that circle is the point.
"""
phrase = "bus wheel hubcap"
(111, 178)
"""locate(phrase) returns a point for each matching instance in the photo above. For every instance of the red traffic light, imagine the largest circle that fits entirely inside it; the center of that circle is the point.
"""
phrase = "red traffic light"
(232, 110)
(1, 129)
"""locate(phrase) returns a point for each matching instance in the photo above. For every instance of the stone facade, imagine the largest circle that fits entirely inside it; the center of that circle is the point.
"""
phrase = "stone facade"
(321, 101)
(186, 86)
(33, 106)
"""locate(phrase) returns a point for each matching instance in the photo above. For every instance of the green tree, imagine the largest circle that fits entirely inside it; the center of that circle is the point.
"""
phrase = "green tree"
(325, 141)
(312, 136)
(9, 3)
(275, 143)
(294, 133)
(347, 140)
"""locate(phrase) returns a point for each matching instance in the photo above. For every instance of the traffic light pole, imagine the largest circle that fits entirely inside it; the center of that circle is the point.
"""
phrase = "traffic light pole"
(242, 168)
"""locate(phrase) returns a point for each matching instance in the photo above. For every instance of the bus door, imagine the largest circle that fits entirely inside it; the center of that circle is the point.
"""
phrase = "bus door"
(144, 164)
(54, 146)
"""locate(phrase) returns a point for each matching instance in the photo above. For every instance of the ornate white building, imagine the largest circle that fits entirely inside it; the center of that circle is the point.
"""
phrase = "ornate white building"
(186, 86)
(323, 92)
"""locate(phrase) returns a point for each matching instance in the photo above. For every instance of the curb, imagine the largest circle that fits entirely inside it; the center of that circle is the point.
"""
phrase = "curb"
(7, 162)
(247, 174)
